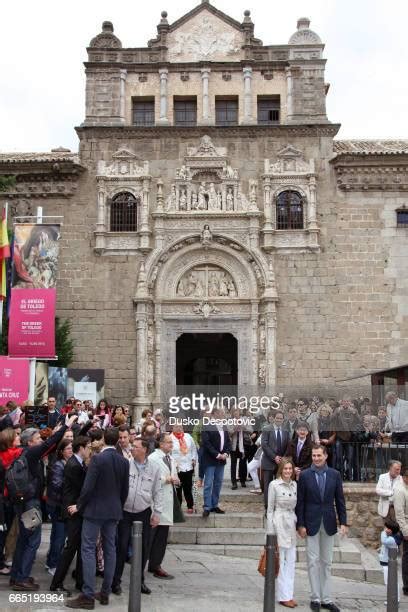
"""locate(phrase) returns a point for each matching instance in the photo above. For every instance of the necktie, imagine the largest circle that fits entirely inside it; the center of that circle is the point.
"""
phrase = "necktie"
(279, 441)
(320, 480)
(167, 461)
(299, 448)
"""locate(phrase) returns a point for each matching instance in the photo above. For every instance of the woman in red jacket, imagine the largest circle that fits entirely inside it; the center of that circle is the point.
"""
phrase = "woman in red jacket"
(9, 450)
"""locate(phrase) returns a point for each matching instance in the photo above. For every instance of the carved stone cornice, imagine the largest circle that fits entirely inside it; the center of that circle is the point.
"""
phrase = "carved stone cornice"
(161, 131)
(366, 174)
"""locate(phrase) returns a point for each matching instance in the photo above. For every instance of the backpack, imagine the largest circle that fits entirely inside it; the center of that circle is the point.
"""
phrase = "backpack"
(19, 481)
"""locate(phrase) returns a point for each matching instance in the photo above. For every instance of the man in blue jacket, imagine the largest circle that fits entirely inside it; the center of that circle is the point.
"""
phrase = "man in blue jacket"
(319, 496)
(103, 495)
(216, 447)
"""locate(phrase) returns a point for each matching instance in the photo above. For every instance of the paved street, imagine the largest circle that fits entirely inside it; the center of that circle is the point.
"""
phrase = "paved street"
(208, 583)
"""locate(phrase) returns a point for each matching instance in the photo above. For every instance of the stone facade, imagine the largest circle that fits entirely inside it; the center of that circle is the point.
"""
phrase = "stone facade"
(308, 306)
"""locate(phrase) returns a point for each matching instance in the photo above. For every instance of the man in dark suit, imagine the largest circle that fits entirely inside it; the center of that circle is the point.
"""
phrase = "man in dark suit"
(320, 490)
(216, 447)
(74, 476)
(103, 495)
(300, 448)
(274, 442)
(290, 424)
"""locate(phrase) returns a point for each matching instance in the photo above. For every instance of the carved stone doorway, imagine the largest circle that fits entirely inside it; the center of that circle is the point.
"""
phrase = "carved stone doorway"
(206, 362)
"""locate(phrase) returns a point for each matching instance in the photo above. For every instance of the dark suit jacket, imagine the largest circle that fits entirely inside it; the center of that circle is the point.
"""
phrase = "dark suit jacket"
(286, 427)
(210, 444)
(270, 447)
(106, 486)
(305, 457)
(74, 476)
(311, 510)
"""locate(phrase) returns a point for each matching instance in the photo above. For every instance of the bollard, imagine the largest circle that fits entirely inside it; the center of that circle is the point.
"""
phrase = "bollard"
(135, 595)
(269, 589)
(392, 582)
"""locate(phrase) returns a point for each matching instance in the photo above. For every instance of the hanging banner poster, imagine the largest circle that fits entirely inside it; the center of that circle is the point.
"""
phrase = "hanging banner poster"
(32, 323)
(14, 380)
(35, 256)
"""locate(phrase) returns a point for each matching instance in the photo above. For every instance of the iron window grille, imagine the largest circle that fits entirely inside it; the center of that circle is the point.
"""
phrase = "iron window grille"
(402, 217)
(289, 210)
(268, 111)
(185, 112)
(123, 213)
(143, 112)
(226, 112)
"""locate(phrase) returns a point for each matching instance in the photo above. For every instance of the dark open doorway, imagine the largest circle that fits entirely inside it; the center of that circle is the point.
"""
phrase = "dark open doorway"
(207, 360)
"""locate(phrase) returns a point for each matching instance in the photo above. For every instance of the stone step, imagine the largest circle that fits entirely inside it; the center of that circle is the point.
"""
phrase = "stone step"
(234, 536)
(351, 571)
(346, 556)
(216, 535)
(236, 520)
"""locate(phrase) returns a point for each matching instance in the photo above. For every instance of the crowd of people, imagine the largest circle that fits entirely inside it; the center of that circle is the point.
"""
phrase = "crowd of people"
(92, 471)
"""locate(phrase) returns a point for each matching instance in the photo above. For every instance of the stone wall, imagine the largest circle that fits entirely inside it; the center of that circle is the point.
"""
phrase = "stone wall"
(362, 516)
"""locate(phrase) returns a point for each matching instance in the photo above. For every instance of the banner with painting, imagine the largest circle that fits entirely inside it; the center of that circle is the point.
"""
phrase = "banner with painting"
(33, 292)
(63, 383)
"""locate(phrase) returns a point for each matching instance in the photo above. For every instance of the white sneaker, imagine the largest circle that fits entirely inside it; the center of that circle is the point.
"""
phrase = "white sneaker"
(51, 570)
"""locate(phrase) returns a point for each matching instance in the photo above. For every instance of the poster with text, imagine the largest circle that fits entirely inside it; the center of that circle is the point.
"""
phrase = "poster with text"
(32, 323)
(79, 375)
(35, 256)
(14, 380)
(85, 391)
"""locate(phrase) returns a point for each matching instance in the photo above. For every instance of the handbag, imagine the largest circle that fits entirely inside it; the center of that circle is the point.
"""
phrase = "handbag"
(262, 563)
(31, 518)
(178, 515)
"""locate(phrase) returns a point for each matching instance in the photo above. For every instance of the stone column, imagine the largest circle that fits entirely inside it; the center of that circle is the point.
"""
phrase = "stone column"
(144, 212)
(122, 96)
(289, 94)
(141, 353)
(248, 118)
(100, 224)
(205, 76)
(312, 212)
(163, 72)
(270, 347)
(268, 225)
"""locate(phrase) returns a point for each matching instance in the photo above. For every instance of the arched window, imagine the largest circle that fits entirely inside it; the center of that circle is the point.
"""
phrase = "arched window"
(289, 210)
(123, 213)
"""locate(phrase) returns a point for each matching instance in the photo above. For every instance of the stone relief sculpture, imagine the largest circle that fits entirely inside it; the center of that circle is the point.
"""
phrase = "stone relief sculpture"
(203, 41)
(207, 281)
(206, 236)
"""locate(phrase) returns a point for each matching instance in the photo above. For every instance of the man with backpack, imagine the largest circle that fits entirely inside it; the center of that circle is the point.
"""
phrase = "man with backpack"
(25, 483)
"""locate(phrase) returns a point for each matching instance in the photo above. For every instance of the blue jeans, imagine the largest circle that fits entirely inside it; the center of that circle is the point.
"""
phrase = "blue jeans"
(57, 538)
(27, 545)
(90, 531)
(213, 477)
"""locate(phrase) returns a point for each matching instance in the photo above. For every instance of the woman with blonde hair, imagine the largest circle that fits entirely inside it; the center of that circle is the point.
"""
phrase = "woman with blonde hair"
(281, 521)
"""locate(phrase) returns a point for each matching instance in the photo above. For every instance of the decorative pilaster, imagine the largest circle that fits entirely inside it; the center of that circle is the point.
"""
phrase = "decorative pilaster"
(312, 209)
(289, 94)
(248, 118)
(205, 76)
(159, 197)
(268, 225)
(270, 375)
(100, 224)
(122, 95)
(163, 72)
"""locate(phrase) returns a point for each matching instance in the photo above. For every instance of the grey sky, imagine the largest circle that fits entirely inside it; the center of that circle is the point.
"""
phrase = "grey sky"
(43, 43)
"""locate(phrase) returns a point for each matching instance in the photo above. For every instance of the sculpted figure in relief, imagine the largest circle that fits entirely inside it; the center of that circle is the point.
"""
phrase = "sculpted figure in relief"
(194, 201)
(232, 292)
(206, 235)
(212, 198)
(213, 285)
(183, 200)
(223, 285)
(201, 197)
(171, 201)
(219, 200)
(230, 199)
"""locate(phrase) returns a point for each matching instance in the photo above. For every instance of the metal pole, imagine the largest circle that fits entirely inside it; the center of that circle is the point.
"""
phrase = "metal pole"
(392, 582)
(136, 568)
(33, 361)
(269, 589)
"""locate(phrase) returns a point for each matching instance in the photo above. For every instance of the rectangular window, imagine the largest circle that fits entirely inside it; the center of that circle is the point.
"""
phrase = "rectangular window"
(226, 111)
(268, 110)
(185, 111)
(143, 111)
(402, 217)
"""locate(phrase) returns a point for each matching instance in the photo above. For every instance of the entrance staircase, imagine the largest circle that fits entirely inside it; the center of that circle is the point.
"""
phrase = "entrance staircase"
(240, 532)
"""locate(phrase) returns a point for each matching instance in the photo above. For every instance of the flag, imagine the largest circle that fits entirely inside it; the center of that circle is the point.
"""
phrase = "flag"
(4, 254)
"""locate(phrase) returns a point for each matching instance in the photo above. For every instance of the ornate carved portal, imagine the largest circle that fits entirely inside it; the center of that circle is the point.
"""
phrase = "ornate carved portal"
(204, 289)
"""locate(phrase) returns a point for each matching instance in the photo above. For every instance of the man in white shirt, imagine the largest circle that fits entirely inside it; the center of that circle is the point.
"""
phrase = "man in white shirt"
(397, 418)
(386, 487)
